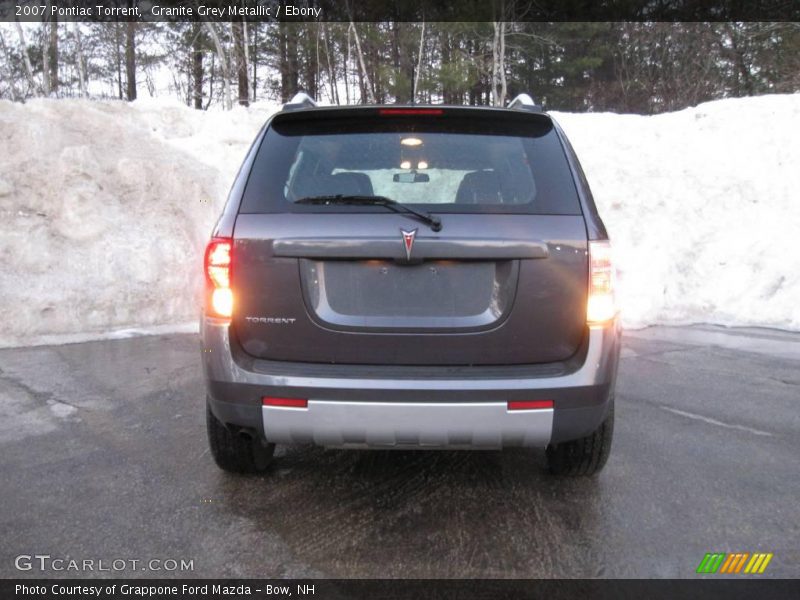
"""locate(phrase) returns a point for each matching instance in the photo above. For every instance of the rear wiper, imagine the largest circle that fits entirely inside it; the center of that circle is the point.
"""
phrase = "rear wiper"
(435, 223)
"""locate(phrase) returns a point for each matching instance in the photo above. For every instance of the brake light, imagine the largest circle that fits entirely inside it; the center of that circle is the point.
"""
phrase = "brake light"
(601, 306)
(391, 112)
(218, 259)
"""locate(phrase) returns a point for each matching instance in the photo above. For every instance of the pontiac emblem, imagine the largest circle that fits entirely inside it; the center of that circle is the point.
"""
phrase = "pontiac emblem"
(408, 241)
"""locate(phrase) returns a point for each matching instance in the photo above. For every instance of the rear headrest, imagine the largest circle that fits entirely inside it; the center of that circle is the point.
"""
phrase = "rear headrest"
(351, 183)
(480, 187)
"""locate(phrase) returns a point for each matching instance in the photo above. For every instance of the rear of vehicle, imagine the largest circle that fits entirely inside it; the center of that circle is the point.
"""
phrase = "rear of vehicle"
(410, 277)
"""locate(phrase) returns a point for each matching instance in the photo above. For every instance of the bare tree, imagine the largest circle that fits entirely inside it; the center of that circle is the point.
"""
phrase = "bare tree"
(53, 50)
(26, 57)
(331, 72)
(254, 60)
(197, 67)
(347, 63)
(81, 65)
(246, 42)
(419, 63)
(239, 51)
(499, 82)
(10, 82)
(46, 87)
(118, 56)
(287, 60)
(130, 59)
(223, 61)
(364, 74)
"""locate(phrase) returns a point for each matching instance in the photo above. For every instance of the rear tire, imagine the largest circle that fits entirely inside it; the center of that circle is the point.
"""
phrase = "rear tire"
(235, 453)
(585, 456)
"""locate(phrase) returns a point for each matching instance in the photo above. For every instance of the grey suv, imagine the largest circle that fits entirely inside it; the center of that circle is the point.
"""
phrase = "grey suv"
(410, 277)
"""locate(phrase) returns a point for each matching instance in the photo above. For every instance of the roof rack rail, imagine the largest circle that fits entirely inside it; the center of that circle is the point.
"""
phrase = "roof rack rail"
(524, 102)
(300, 100)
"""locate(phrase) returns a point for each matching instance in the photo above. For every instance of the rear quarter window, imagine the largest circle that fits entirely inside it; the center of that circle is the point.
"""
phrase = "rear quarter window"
(460, 163)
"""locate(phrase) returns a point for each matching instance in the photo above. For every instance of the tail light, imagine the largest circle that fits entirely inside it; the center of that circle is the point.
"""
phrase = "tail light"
(602, 306)
(219, 297)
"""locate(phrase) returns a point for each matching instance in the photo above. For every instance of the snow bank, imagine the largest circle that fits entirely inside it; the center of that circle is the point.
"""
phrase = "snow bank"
(703, 209)
(105, 208)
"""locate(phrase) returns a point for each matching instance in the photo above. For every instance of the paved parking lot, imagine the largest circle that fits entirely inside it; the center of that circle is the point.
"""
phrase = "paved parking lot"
(103, 456)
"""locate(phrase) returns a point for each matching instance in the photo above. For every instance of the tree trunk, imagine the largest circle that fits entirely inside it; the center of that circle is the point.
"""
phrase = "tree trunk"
(53, 49)
(402, 93)
(283, 61)
(11, 84)
(247, 63)
(46, 87)
(26, 57)
(347, 66)
(331, 72)
(447, 92)
(130, 59)
(310, 65)
(223, 63)
(254, 60)
(503, 80)
(118, 55)
(81, 68)
(237, 29)
(197, 67)
(292, 68)
(367, 86)
(499, 82)
(419, 64)
(287, 40)
(212, 71)
(316, 61)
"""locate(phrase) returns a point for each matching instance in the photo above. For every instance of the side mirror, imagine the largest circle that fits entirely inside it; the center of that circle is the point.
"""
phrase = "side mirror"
(412, 177)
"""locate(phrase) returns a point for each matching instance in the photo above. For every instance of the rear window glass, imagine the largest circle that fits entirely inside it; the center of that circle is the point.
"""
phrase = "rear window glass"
(439, 164)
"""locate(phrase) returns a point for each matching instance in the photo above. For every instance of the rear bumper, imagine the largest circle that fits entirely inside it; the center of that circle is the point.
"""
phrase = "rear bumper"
(407, 424)
(368, 406)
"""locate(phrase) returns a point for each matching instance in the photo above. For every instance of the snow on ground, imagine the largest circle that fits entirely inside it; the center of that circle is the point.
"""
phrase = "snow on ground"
(105, 208)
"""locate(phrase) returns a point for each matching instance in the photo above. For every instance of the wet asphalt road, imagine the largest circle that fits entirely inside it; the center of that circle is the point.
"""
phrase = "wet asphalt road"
(103, 456)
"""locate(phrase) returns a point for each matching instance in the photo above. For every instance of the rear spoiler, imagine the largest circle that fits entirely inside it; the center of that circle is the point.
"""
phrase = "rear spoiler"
(302, 101)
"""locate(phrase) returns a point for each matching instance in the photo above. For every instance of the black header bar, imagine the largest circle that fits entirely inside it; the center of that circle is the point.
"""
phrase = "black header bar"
(396, 10)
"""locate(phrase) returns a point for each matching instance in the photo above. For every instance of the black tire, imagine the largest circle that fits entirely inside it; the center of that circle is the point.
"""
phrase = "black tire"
(585, 456)
(235, 453)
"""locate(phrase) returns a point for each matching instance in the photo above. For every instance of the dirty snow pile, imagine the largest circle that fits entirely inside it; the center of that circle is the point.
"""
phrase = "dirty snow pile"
(105, 208)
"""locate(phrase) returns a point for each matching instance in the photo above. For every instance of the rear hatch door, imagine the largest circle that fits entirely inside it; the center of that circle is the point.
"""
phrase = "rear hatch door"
(503, 282)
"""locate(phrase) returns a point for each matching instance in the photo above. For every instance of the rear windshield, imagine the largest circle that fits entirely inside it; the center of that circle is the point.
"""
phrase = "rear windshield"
(439, 164)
